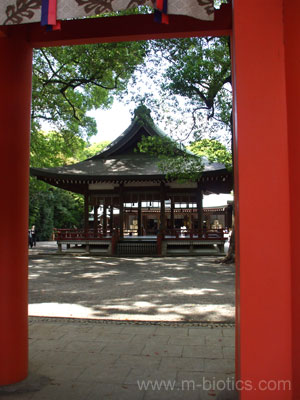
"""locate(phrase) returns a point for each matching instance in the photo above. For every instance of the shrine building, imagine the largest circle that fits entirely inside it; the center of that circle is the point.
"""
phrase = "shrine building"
(143, 211)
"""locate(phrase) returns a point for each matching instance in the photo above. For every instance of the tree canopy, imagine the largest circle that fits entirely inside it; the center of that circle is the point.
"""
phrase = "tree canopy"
(213, 150)
(70, 81)
(190, 86)
(51, 207)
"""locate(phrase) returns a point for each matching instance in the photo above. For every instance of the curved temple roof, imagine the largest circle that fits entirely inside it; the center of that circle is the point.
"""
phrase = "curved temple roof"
(119, 162)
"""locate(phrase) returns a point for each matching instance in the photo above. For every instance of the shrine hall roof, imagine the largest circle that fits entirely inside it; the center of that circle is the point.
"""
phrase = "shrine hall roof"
(119, 160)
(118, 166)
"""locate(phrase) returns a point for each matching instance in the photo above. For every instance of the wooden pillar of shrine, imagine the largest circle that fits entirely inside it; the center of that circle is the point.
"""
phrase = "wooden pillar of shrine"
(191, 221)
(199, 198)
(96, 220)
(104, 217)
(111, 218)
(86, 213)
(140, 229)
(121, 208)
(15, 100)
(228, 216)
(162, 208)
(172, 215)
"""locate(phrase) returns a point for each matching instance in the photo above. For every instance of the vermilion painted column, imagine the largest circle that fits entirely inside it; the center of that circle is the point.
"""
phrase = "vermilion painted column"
(292, 52)
(15, 98)
(264, 317)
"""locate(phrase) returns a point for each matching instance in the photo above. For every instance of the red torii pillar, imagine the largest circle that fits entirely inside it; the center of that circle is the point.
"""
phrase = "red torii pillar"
(15, 98)
(267, 98)
(292, 70)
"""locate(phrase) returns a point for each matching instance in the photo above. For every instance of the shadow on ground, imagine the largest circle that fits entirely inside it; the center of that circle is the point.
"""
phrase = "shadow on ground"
(145, 289)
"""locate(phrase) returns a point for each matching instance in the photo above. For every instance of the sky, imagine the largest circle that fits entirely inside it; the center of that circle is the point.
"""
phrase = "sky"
(111, 123)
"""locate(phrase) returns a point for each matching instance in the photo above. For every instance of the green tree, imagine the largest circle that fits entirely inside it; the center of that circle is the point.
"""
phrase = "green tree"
(51, 207)
(174, 160)
(189, 87)
(213, 150)
(93, 149)
(70, 81)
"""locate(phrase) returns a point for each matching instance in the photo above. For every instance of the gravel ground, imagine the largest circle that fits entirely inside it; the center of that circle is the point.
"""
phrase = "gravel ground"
(185, 289)
(144, 289)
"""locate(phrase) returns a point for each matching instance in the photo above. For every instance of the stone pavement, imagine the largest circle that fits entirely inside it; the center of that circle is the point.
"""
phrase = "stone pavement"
(93, 360)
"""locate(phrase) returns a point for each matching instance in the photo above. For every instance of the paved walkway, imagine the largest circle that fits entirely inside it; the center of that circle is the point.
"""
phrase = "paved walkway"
(95, 360)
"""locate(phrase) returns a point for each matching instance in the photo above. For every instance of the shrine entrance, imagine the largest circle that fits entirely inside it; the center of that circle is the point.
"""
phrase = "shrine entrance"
(266, 90)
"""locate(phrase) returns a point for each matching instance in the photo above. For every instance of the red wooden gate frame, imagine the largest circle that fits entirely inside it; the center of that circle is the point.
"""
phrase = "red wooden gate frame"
(266, 67)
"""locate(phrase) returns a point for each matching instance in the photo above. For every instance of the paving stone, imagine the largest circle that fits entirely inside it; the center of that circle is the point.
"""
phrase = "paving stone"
(190, 380)
(204, 380)
(187, 340)
(229, 352)
(147, 339)
(182, 363)
(52, 357)
(221, 341)
(110, 328)
(123, 348)
(66, 390)
(202, 351)
(115, 337)
(78, 328)
(115, 392)
(174, 331)
(224, 365)
(19, 396)
(88, 359)
(101, 391)
(228, 331)
(146, 375)
(49, 344)
(105, 374)
(209, 385)
(61, 373)
(100, 329)
(228, 395)
(138, 361)
(205, 331)
(84, 346)
(26, 388)
(162, 350)
(45, 332)
(176, 394)
(139, 330)
(84, 336)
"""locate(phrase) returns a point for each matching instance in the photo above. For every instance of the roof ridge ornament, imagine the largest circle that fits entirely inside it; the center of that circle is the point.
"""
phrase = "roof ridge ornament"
(143, 112)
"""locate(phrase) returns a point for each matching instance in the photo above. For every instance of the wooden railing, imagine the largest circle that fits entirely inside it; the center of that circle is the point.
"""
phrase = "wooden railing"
(211, 234)
(81, 234)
